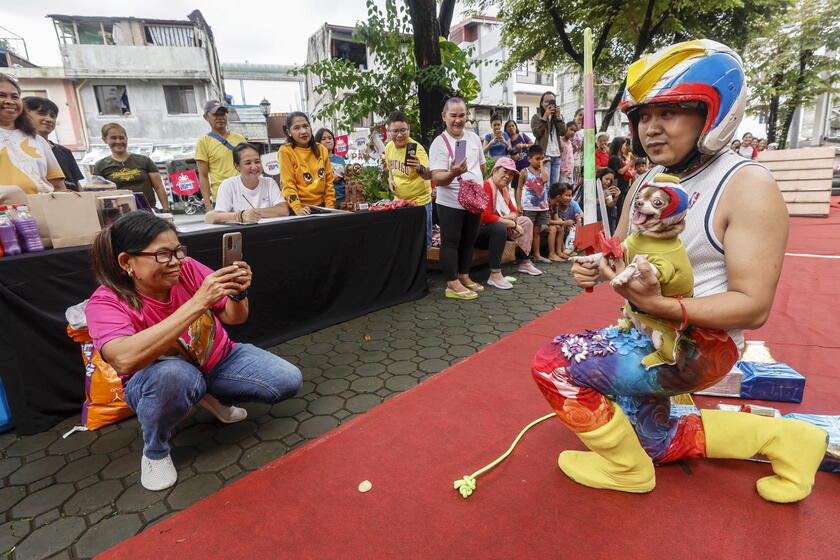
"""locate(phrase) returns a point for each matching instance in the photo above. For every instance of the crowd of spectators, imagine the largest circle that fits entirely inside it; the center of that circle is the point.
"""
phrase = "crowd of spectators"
(154, 302)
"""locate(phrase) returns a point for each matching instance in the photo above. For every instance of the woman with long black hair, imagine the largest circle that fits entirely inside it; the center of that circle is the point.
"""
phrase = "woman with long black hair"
(157, 318)
(306, 174)
(621, 162)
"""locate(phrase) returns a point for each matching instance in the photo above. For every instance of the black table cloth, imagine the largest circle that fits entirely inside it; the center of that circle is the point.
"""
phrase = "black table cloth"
(309, 273)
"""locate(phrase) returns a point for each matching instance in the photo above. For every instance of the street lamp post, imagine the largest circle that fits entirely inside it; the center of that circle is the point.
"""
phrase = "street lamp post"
(265, 108)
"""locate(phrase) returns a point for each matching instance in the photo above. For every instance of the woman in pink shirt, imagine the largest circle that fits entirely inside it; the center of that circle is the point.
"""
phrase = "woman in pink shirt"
(157, 320)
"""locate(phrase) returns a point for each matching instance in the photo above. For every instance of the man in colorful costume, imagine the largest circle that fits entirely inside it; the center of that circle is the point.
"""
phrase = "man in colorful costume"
(684, 104)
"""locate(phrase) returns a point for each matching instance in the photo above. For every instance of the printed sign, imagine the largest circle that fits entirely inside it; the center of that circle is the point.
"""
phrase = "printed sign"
(342, 145)
(184, 183)
(271, 164)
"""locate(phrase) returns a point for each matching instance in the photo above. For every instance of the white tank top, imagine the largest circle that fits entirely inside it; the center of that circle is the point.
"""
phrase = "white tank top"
(705, 187)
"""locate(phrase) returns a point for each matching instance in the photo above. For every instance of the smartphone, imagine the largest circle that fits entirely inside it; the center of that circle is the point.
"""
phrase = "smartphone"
(410, 151)
(460, 151)
(231, 248)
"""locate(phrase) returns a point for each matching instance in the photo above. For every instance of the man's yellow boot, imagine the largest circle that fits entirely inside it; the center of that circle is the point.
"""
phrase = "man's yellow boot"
(618, 461)
(794, 448)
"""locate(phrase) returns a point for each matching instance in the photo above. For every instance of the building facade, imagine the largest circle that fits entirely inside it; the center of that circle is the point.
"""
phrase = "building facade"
(151, 76)
(333, 41)
(517, 97)
(52, 83)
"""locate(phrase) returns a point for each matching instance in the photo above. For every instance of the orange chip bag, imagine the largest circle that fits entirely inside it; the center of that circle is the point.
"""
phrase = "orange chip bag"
(104, 392)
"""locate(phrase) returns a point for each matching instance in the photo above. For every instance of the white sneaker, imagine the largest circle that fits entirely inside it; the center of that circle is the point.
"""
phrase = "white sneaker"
(226, 414)
(529, 268)
(501, 284)
(157, 474)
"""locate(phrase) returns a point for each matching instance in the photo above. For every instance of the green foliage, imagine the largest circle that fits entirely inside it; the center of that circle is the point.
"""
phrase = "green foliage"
(488, 166)
(391, 80)
(549, 33)
(375, 181)
(792, 62)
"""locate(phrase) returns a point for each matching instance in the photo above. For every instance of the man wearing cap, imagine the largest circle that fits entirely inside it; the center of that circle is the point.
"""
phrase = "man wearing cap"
(684, 103)
(214, 152)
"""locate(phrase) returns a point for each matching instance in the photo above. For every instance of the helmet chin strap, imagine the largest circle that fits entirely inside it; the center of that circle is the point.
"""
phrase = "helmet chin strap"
(691, 160)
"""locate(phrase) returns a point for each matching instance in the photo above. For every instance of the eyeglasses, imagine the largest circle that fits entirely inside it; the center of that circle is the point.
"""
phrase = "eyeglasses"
(164, 256)
(398, 130)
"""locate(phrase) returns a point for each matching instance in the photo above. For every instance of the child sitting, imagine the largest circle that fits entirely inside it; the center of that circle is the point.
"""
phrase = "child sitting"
(565, 213)
(640, 167)
(532, 195)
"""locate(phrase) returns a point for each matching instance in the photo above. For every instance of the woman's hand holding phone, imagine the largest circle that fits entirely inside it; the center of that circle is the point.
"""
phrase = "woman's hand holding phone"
(224, 282)
(458, 168)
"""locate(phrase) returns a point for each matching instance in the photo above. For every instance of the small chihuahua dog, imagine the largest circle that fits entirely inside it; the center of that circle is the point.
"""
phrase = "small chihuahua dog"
(647, 220)
(657, 220)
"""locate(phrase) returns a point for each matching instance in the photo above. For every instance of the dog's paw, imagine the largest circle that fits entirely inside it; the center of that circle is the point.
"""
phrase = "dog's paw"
(593, 260)
(621, 279)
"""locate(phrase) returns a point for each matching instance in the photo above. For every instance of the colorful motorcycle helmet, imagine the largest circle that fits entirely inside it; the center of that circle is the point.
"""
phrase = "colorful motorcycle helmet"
(689, 74)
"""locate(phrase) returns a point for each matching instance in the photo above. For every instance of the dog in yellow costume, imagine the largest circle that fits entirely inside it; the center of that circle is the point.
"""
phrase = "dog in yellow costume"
(658, 218)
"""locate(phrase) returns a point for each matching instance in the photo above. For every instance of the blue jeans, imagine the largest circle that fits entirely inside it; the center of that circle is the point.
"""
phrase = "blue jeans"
(554, 170)
(428, 208)
(164, 392)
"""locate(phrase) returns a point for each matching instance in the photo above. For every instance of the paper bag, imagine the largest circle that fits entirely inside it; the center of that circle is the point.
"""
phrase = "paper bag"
(71, 217)
(37, 211)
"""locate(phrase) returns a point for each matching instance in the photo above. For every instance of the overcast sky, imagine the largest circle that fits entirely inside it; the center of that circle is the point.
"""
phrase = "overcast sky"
(263, 31)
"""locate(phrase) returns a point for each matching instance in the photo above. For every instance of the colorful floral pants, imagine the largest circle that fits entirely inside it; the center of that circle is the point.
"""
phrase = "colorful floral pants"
(581, 374)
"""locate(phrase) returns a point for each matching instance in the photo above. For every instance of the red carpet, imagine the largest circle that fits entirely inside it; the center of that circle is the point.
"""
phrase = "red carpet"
(817, 236)
(306, 504)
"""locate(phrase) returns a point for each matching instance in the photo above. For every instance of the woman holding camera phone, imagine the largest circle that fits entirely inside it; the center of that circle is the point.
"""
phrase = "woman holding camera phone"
(456, 155)
(548, 126)
(157, 318)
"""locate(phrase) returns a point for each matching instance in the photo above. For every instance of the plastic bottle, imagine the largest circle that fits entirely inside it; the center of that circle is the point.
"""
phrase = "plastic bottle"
(27, 229)
(8, 235)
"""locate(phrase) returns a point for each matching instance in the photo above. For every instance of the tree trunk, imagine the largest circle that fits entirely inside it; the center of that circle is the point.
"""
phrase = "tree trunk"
(772, 119)
(796, 98)
(605, 122)
(785, 131)
(773, 111)
(447, 9)
(427, 53)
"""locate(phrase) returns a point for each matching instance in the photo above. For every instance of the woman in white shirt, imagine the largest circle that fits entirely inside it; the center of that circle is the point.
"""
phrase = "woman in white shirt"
(250, 195)
(458, 227)
(27, 163)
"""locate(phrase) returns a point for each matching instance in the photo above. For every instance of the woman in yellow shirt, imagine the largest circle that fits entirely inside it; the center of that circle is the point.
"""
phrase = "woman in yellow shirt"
(305, 171)
(26, 160)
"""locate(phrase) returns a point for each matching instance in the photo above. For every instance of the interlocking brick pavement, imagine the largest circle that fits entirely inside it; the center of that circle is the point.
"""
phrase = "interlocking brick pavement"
(76, 497)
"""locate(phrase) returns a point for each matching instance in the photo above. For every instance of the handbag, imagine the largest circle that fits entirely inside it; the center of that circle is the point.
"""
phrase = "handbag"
(471, 195)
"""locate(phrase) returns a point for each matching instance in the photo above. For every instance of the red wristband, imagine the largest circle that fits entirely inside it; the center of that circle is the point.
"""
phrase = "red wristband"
(684, 313)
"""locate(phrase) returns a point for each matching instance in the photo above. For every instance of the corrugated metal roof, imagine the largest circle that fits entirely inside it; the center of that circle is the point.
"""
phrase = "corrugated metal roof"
(248, 114)
(96, 19)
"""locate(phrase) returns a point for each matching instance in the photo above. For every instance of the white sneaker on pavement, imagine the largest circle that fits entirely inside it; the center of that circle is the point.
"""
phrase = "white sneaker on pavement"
(529, 268)
(226, 414)
(157, 474)
(502, 284)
